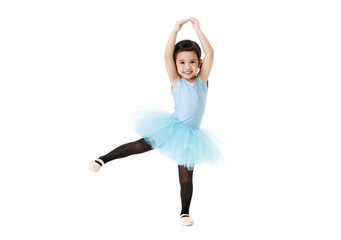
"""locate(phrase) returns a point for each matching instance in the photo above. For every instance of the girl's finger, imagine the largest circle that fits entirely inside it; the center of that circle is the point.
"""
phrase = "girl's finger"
(193, 20)
(183, 22)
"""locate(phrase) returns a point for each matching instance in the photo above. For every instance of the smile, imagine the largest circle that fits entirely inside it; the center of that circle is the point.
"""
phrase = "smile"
(188, 72)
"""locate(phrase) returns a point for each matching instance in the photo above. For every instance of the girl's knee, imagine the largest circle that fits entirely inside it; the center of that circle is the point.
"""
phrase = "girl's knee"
(185, 180)
(142, 146)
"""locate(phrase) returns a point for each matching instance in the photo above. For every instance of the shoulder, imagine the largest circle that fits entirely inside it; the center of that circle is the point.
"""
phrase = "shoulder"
(205, 82)
(175, 81)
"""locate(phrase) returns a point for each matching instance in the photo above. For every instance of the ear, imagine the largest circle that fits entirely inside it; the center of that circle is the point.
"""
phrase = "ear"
(200, 63)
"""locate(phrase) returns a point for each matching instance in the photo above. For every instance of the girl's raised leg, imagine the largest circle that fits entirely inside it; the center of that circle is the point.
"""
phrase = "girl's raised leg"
(139, 146)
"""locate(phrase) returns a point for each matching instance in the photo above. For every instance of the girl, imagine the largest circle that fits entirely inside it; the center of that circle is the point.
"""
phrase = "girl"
(177, 135)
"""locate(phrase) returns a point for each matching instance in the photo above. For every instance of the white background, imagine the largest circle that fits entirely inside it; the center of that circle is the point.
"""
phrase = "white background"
(72, 72)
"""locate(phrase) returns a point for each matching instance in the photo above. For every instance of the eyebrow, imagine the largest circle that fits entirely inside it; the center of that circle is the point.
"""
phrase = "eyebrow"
(193, 59)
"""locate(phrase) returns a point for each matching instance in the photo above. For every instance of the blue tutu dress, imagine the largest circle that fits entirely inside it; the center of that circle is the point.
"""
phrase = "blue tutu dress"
(178, 135)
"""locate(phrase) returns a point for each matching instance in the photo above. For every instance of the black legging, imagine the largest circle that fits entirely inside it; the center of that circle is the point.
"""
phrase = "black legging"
(141, 146)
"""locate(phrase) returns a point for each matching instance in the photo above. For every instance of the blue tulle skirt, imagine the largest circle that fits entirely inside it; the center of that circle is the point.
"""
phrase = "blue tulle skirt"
(187, 146)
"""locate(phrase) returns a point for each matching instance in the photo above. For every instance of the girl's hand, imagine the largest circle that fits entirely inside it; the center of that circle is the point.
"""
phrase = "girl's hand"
(195, 24)
(179, 24)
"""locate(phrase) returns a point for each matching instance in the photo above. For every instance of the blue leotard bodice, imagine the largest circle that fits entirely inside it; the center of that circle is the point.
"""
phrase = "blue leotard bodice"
(189, 102)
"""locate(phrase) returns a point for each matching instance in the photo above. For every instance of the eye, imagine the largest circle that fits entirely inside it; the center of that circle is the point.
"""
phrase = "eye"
(192, 61)
(182, 62)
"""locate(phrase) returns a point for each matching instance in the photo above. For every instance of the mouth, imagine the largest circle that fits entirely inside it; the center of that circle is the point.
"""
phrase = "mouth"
(188, 72)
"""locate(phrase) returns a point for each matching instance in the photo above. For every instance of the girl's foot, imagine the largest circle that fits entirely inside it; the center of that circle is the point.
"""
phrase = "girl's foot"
(186, 220)
(96, 165)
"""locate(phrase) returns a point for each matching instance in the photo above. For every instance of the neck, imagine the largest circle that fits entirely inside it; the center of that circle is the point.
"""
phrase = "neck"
(193, 79)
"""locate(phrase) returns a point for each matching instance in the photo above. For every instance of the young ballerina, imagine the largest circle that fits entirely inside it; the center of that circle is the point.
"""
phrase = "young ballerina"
(177, 135)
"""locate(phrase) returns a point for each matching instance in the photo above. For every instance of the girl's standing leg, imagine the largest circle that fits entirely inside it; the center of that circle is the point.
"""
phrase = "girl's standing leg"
(186, 185)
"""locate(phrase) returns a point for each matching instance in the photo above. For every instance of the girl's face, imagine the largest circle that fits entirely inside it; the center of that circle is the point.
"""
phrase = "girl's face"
(187, 65)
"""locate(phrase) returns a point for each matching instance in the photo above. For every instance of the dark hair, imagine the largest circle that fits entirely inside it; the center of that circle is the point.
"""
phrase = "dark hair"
(186, 45)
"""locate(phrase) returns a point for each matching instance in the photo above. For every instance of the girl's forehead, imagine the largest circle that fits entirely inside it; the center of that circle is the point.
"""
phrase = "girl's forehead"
(187, 55)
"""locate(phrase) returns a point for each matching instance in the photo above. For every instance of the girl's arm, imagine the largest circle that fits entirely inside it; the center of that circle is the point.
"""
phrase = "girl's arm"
(206, 65)
(170, 64)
